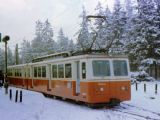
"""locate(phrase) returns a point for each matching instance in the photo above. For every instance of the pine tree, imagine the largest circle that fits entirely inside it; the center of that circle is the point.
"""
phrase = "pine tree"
(144, 33)
(129, 25)
(146, 30)
(2, 59)
(37, 42)
(118, 28)
(43, 42)
(104, 28)
(83, 42)
(10, 60)
(16, 55)
(100, 28)
(62, 41)
(26, 52)
(48, 41)
(71, 46)
(157, 25)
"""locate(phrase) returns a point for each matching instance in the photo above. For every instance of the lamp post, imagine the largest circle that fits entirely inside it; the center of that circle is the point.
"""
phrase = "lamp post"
(5, 40)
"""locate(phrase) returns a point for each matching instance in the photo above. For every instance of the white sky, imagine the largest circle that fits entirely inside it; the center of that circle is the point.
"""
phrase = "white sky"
(18, 17)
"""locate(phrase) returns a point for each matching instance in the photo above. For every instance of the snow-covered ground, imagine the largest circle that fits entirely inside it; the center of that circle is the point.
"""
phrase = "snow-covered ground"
(35, 106)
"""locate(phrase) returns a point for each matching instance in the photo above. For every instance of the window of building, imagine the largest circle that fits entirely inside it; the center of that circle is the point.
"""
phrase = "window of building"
(68, 71)
(120, 68)
(101, 68)
(54, 71)
(43, 71)
(60, 71)
(35, 71)
(83, 70)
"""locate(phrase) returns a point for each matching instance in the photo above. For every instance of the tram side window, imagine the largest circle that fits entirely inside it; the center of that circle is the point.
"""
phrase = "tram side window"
(25, 72)
(68, 71)
(60, 71)
(83, 70)
(54, 71)
(120, 68)
(15, 71)
(20, 72)
(9, 72)
(43, 71)
(101, 68)
(28, 72)
(39, 71)
(35, 71)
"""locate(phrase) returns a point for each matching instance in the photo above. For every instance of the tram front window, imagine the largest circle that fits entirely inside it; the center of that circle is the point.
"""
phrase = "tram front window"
(101, 68)
(120, 68)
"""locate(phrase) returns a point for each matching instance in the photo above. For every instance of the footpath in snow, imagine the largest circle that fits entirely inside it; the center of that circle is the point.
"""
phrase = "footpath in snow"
(35, 106)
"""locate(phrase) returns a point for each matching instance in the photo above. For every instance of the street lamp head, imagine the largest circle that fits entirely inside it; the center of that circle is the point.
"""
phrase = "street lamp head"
(6, 38)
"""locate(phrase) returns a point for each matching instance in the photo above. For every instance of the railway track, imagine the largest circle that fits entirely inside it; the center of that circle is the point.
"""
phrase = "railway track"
(156, 113)
(143, 114)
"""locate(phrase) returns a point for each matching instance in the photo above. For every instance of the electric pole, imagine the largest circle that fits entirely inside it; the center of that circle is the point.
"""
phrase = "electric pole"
(5, 40)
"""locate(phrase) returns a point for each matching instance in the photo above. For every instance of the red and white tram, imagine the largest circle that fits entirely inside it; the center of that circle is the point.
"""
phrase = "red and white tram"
(90, 78)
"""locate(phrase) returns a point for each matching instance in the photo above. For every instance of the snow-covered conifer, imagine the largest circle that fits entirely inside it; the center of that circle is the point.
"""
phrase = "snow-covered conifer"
(62, 41)
(83, 37)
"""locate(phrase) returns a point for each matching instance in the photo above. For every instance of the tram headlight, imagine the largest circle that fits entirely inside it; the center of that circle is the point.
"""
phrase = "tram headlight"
(101, 89)
(124, 88)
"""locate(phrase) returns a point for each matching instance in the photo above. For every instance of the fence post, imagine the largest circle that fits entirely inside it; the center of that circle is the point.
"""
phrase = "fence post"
(6, 87)
(136, 86)
(156, 88)
(20, 96)
(144, 87)
(10, 94)
(16, 96)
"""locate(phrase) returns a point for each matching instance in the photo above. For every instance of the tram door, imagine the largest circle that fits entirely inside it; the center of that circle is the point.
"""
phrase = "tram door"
(49, 76)
(26, 75)
(77, 77)
(31, 75)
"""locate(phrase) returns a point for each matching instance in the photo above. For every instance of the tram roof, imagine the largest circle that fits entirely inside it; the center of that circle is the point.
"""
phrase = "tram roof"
(76, 54)
(84, 56)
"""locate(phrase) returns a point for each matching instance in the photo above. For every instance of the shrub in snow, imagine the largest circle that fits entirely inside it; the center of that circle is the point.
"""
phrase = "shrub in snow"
(140, 76)
(146, 63)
